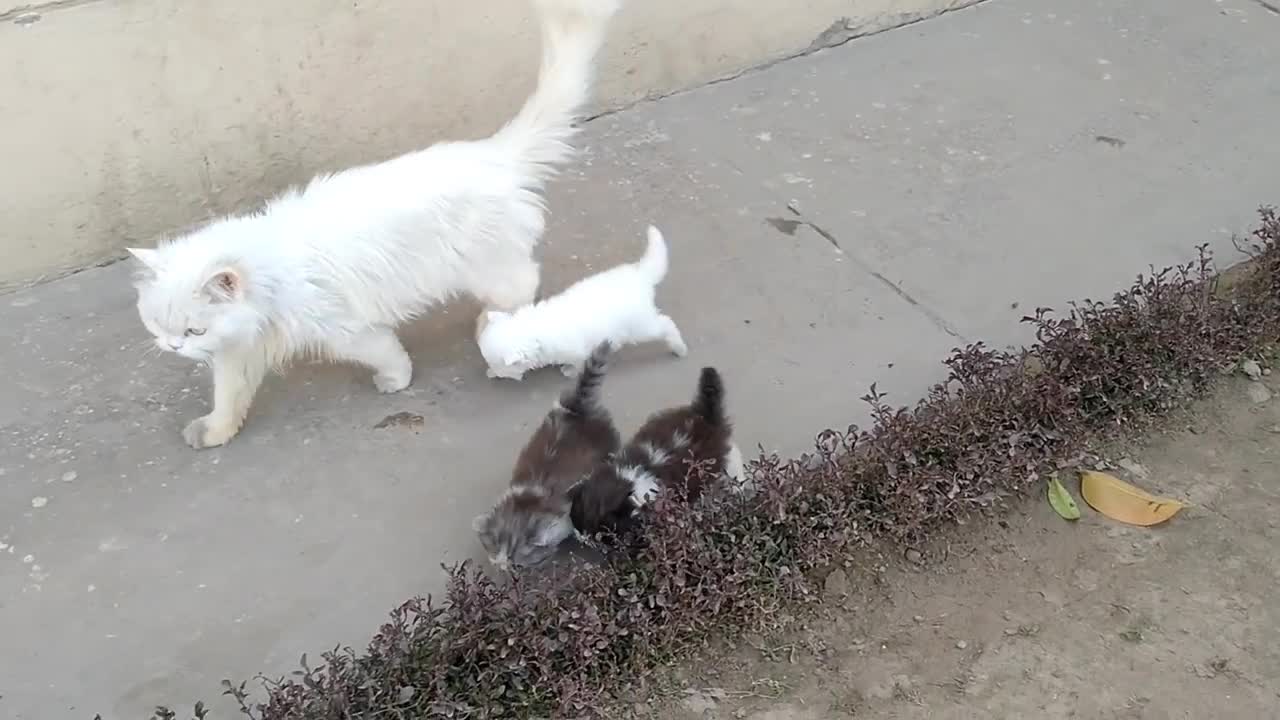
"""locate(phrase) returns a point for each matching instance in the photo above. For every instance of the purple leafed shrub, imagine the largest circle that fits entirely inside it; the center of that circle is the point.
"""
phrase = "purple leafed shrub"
(562, 645)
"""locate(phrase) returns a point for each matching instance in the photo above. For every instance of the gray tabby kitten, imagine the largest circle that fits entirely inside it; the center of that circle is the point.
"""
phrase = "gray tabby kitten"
(532, 518)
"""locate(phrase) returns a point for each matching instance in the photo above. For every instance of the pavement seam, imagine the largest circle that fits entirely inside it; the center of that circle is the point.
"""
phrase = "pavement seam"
(930, 314)
(839, 33)
(23, 14)
(1269, 7)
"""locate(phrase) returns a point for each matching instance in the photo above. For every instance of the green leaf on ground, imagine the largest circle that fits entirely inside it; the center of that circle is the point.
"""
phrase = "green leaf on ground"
(1061, 500)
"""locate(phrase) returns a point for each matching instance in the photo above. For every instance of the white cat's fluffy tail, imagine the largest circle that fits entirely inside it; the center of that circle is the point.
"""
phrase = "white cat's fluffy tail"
(572, 32)
(654, 262)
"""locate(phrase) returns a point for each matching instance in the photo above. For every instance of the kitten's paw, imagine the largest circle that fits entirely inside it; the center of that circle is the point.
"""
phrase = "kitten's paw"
(391, 383)
(569, 371)
(205, 432)
(671, 333)
(508, 374)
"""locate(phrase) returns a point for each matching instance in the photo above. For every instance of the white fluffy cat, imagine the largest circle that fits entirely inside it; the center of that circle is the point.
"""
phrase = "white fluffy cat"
(614, 306)
(332, 269)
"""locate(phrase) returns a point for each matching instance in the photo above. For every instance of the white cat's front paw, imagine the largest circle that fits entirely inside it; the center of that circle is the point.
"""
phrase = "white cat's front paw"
(207, 431)
(569, 371)
(392, 383)
(505, 374)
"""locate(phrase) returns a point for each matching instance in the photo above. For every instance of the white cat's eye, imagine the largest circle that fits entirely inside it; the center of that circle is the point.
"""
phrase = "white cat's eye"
(193, 331)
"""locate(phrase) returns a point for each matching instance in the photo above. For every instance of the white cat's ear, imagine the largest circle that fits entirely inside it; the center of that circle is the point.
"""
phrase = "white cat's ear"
(149, 258)
(225, 285)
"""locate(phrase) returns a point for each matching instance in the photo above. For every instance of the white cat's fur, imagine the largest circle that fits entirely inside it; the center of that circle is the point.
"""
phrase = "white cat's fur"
(615, 306)
(332, 269)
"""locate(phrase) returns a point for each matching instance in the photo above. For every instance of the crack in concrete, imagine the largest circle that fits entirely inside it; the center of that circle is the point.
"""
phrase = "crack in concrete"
(937, 320)
(1273, 9)
(22, 13)
(933, 317)
(841, 32)
(814, 227)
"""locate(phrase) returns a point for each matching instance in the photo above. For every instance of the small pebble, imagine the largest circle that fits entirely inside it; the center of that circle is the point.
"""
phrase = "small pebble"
(918, 618)
(961, 644)
(39, 502)
(69, 476)
(914, 556)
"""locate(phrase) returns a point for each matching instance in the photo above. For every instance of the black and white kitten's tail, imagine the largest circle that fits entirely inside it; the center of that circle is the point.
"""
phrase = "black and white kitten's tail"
(572, 32)
(583, 399)
(709, 402)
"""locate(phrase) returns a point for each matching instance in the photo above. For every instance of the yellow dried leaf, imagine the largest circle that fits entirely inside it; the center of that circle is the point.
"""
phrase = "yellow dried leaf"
(1121, 501)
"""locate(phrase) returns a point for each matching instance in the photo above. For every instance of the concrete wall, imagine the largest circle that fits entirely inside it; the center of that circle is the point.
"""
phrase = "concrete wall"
(121, 120)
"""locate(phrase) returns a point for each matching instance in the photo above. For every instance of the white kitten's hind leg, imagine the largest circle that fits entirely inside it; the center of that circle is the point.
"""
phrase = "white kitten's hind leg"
(670, 334)
(382, 351)
(735, 468)
(733, 464)
(236, 378)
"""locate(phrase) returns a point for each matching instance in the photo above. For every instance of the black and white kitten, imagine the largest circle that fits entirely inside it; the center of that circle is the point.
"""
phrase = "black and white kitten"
(661, 454)
(532, 518)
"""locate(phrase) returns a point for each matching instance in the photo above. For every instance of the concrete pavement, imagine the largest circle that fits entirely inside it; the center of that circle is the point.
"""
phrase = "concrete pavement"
(834, 220)
(127, 120)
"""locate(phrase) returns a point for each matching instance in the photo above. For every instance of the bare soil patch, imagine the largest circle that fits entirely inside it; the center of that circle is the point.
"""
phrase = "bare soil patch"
(1037, 617)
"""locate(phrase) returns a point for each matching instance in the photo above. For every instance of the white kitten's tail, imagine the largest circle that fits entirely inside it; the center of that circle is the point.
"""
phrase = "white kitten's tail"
(654, 263)
(572, 32)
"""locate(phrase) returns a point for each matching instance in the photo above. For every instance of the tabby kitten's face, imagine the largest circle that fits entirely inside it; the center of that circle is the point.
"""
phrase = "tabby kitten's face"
(524, 528)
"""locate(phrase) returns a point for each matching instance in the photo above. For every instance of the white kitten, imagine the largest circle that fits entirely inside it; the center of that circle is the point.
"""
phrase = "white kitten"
(614, 306)
(331, 270)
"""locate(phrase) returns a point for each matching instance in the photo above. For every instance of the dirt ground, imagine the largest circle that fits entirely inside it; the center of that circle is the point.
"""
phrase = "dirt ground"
(1036, 617)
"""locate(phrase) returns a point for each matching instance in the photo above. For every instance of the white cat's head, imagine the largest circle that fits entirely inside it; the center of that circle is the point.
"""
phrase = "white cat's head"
(506, 346)
(194, 309)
